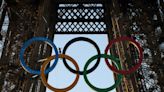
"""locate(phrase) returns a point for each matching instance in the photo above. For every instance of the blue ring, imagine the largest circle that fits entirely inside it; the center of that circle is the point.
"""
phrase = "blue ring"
(26, 44)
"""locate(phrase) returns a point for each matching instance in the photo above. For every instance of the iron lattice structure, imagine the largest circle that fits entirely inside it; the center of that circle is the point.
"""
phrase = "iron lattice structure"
(80, 18)
(25, 19)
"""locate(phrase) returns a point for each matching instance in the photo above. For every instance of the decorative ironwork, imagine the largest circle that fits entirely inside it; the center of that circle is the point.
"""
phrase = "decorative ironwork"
(88, 27)
(80, 18)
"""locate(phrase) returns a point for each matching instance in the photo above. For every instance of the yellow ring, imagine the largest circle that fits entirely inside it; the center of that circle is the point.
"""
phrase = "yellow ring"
(44, 80)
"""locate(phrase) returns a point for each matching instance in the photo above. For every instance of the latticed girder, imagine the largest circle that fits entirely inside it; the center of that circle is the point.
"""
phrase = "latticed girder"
(85, 18)
(143, 22)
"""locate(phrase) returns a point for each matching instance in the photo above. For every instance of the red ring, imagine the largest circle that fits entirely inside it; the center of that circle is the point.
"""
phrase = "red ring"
(132, 69)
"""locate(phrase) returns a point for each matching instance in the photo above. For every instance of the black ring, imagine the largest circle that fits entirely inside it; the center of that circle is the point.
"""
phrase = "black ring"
(81, 39)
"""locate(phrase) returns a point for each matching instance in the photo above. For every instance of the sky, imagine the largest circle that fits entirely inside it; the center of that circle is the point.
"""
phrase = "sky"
(81, 51)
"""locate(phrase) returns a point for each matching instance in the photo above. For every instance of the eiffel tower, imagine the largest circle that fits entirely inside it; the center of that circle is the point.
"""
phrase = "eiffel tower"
(21, 20)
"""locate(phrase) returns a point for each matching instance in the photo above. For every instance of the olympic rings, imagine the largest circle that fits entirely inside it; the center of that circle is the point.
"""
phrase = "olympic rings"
(26, 44)
(116, 61)
(117, 82)
(44, 78)
(131, 70)
(81, 39)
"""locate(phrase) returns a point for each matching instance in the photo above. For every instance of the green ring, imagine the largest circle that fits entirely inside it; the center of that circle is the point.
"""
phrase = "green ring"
(119, 76)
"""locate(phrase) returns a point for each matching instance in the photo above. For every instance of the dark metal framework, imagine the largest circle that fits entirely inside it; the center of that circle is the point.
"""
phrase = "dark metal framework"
(147, 78)
(83, 18)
